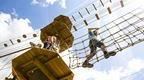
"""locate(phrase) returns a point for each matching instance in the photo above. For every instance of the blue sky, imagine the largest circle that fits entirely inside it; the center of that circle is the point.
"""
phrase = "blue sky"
(25, 16)
(38, 15)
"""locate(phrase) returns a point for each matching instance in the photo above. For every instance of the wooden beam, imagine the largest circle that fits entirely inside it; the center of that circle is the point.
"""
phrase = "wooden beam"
(18, 74)
(67, 77)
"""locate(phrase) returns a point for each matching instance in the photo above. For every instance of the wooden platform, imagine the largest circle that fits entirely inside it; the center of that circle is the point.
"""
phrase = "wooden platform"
(41, 64)
(61, 28)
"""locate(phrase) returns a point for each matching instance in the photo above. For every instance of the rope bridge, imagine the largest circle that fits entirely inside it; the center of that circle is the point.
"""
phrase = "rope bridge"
(119, 34)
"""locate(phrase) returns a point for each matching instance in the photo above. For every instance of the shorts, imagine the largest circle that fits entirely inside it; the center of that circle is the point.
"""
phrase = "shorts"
(47, 45)
(93, 43)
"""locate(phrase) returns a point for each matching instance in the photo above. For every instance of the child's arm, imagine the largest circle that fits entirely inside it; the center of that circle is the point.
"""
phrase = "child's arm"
(95, 32)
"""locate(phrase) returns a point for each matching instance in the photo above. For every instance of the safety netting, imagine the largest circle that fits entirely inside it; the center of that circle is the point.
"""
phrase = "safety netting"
(119, 34)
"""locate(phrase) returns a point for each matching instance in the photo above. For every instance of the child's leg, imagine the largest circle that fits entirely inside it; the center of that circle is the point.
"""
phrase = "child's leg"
(45, 45)
(92, 53)
(86, 62)
(106, 53)
(103, 48)
(92, 45)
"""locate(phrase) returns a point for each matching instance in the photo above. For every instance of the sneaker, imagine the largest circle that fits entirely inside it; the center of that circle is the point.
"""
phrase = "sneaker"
(112, 53)
(106, 55)
(90, 65)
(87, 65)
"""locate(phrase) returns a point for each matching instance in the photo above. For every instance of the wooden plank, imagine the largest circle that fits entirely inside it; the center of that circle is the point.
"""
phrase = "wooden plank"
(18, 74)
(61, 31)
(67, 77)
(109, 10)
(50, 64)
(122, 4)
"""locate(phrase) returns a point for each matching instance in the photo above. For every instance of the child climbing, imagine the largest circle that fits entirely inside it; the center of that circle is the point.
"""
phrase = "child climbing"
(52, 43)
(93, 44)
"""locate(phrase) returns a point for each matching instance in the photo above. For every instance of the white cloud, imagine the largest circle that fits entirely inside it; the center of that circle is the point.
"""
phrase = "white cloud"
(35, 2)
(63, 3)
(119, 73)
(12, 27)
(51, 1)
(46, 3)
(128, 67)
(134, 65)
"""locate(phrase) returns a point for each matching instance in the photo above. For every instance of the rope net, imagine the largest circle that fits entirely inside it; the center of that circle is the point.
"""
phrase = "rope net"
(117, 35)
(88, 13)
